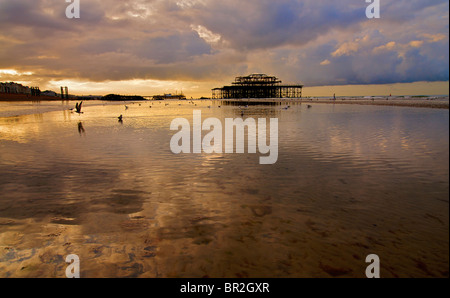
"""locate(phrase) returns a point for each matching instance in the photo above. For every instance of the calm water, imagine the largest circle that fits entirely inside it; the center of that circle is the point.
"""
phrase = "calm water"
(350, 181)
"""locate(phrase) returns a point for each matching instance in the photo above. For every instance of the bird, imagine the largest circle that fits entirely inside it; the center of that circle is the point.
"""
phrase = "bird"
(126, 107)
(78, 108)
(309, 106)
(120, 118)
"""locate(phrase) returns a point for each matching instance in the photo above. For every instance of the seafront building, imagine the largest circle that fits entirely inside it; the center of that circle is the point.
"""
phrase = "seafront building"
(14, 88)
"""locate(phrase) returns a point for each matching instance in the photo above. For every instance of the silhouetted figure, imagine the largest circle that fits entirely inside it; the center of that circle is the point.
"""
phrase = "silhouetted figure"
(80, 128)
(78, 108)
(120, 118)
(309, 106)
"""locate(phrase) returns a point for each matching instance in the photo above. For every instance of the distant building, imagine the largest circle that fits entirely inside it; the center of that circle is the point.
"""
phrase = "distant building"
(14, 88)
(257, 86)
(116, 97)
(49, 93)
(169, 96)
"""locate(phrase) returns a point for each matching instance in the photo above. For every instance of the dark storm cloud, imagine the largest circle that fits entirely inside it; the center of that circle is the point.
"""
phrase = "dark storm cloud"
(267, 24)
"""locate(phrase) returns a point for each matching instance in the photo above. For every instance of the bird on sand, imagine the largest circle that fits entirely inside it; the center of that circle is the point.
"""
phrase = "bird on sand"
(120, 118)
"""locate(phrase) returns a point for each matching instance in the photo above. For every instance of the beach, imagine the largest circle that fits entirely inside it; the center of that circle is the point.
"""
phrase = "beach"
(438, 102)
(350, 180)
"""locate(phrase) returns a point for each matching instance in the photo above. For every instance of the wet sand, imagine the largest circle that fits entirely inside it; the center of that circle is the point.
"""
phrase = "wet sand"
(351, 180)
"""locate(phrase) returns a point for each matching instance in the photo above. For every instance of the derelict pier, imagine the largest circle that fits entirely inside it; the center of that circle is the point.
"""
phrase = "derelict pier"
(257, 86)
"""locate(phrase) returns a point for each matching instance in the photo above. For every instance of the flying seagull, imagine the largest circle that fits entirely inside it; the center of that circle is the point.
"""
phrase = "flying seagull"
(78, 108)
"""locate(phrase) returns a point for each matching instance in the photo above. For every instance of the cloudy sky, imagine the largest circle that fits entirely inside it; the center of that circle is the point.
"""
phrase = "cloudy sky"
(148, 47)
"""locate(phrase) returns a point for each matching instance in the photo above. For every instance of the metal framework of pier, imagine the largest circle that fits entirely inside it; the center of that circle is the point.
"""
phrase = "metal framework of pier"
(257, 86)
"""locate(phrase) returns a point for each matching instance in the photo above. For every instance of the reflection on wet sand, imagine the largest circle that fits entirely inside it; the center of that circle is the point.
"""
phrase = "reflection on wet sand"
(350, 181)
(81, 129)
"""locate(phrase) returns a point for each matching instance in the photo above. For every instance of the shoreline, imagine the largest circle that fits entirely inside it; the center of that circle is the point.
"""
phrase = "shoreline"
(397, 102)
(436, 102)
(28, 97)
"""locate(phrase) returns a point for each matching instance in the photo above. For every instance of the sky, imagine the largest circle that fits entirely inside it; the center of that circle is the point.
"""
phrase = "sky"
(148, 47)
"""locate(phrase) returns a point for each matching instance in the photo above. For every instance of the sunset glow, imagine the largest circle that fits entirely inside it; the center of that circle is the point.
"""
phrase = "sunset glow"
(150, 47)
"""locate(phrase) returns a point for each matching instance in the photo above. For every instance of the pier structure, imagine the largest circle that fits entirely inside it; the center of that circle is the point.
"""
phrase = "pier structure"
(180, 96)
(258, 86)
